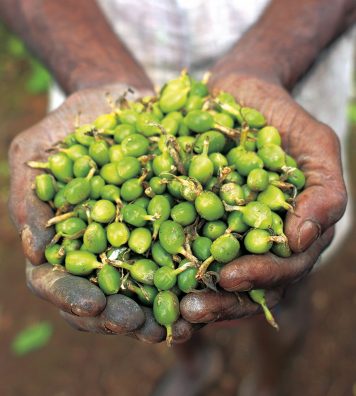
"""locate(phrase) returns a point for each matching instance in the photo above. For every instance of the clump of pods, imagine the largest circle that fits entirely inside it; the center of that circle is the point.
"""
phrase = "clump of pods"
(153, 198)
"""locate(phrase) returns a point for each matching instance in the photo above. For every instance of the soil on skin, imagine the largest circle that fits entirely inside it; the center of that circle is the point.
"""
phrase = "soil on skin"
(75, 363)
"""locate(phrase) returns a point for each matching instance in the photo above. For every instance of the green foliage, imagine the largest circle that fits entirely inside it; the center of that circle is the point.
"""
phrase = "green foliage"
(351, 112)
(11, 47)
(32, 338)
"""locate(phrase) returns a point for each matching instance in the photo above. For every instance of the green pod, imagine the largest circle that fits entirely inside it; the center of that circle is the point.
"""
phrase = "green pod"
(236, 223)
(142, 271)
(160, 256)
(268, 135)
(110, 174)
(174, 94)
(109, 279)
(297, 178)
(162, 163)
(146, 124)
(71, 226)
(281, 250)
(159, 206)
(82, 166)
(82, 134)
(117, 234)
(70, 139)
(75, 151)
(277, 224)
(187, 281)
(104, 211)
(143, 202)
(257, 215)
(165, 278)
(171, 236)
(135, 145)
(111, 193)
(244, 161)
(81, 262)
(209, 206)
(258, 180)
(94, 238)
(157, 186)
(140, 240)
(128, 116)
(224, 119)
(217, 142)
(170, 124)
(194, 102)
(252, 117)
(274, 198)
(219, 161)
(97, 183)
(201, 247)
(232, 194)
(135, 215)
(290, 161)
(45, 187)
(77, 190)
(99, 152)
(128, 168)
(131, 189)
(61, 166)
(258, 241)
(199, 121)
(214, 229)
(122, 131)
(166, 311)
(70, 245)
(184, 213)
(225, 248)
(115, 153)
(235, 177)
(198, 88)
(273, 157)
(249, 195)
(54, 254)
(106, 121)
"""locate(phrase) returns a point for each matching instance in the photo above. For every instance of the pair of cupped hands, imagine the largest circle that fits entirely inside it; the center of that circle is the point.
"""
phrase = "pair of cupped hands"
(313, 144)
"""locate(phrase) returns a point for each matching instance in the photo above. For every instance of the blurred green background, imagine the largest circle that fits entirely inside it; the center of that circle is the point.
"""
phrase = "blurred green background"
(42, 355)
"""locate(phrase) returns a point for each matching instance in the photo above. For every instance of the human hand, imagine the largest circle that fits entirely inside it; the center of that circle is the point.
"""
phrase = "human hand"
(82, 303)
(318, 207)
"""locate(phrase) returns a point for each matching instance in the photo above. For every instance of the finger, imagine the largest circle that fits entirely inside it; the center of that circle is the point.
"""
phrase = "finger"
(150, 332)
(209, 306)
(323, 201)
(269, 271)
(70, 293)
(183, 330)
(122, 315)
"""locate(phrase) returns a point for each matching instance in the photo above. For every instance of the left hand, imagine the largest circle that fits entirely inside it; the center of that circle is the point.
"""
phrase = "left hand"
(318, 207)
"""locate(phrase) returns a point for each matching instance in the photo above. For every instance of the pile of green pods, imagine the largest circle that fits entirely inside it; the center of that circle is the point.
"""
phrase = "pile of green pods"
(152, 199)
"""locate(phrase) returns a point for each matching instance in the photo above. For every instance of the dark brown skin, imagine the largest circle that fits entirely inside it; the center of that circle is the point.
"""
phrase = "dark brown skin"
(261, 84)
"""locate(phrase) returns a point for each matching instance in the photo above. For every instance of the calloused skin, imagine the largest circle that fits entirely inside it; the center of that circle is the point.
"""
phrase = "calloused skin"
(83, 304)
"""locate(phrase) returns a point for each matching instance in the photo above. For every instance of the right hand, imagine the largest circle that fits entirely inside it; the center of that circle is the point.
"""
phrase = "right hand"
(82, 303)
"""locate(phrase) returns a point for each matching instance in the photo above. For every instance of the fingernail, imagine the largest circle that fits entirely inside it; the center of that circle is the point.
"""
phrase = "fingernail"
(309, 232)
(244, 286)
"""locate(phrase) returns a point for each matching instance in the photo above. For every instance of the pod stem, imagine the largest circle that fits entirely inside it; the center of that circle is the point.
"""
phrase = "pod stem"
(229, 132)
(183, 268)
(73, 236)
(120, 264)
(203, 267)
(173, 148)
(222, 175)
(37, 164)
(59, 218)
(243, 137)
(287, 170)
(188, 255)
(149, 192)
(287, 206)
(169, 337)
(278, 239)
(206, 147)
(91, 173)
(258, 296)
(232, 208)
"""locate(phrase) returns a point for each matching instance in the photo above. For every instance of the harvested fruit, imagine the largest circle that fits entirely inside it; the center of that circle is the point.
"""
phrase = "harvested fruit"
(153, 198)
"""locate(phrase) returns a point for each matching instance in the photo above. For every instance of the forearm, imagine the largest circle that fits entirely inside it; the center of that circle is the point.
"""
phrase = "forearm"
(73, 38)
(288, 38)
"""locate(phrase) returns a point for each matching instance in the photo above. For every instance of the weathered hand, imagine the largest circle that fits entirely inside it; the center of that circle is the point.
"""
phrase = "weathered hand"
(316, 148)
(82, 303)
